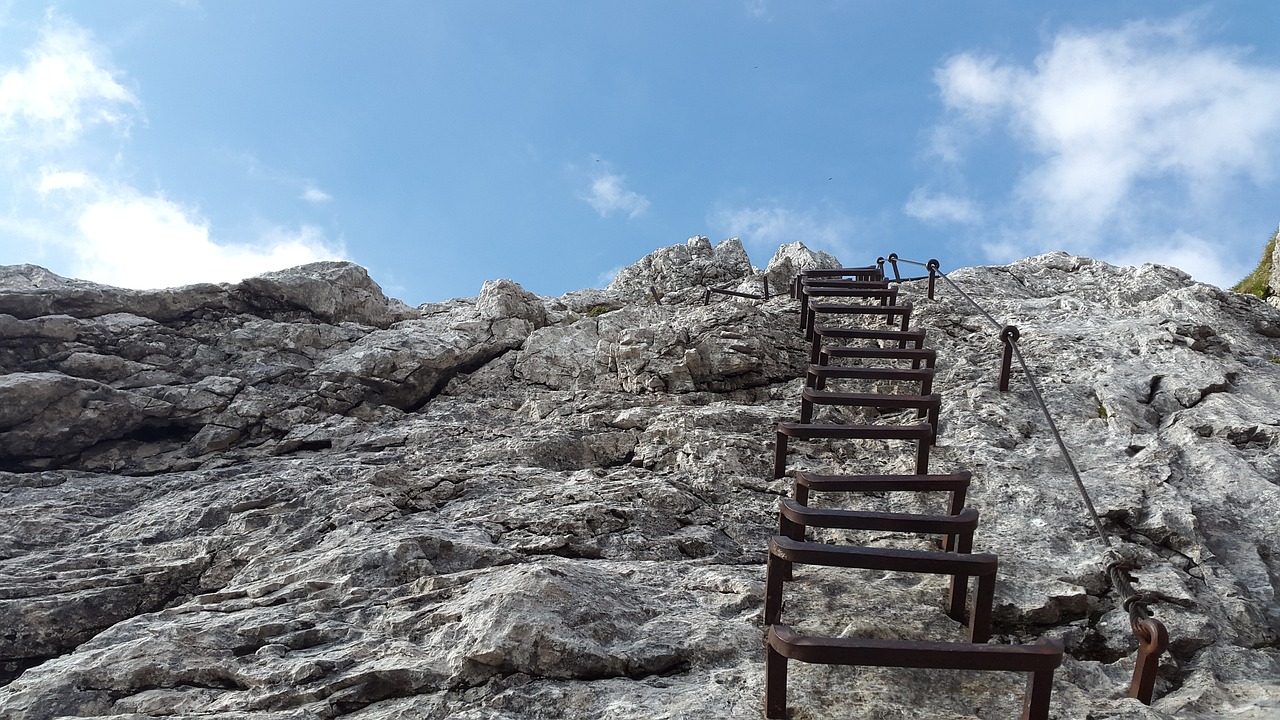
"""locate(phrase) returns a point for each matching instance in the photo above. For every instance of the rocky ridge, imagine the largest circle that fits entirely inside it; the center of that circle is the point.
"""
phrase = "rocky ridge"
(295, 498)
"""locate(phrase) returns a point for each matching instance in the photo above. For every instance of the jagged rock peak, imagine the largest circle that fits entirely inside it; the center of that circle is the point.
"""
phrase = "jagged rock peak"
(793, 258)
(684, 269)
(505, 299)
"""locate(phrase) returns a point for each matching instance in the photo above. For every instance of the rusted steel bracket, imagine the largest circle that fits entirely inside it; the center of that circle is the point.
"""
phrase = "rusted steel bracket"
(926, 356)
(1009, 335)
(957, 532)
(783, 552)
(893, 262)
(926, 406)
(783, 643)
(956, 484)
(922, 434)
(902, 337)
(1153, 640)
(932, 266)
(891, 312)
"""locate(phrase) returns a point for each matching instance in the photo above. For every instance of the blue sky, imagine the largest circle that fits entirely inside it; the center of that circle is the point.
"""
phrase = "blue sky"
(440, 144)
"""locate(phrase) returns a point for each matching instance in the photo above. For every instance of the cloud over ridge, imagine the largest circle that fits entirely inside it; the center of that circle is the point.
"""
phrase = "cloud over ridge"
(1130, 138)
(609, 194)
(87, 219)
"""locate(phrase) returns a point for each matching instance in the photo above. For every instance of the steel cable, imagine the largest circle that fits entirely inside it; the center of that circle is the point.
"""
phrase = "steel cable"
(1118, 566)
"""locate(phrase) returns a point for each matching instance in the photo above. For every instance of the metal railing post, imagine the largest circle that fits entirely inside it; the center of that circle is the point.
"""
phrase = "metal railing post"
(1009, 335)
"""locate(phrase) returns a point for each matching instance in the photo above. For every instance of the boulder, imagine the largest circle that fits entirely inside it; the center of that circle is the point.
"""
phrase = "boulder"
(331, 291)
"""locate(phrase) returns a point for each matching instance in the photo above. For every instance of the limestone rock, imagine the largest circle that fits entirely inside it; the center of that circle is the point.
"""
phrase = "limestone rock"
(792, 259)
(684, 271)
(330, 291)
(52, 410)
(1273, 284)
(29, 291)
(334, 292)
(293, 499)
(720, 347)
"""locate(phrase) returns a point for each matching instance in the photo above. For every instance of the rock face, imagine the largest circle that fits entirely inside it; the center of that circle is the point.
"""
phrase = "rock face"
(295, 498)
(680, 269)
(792, 259)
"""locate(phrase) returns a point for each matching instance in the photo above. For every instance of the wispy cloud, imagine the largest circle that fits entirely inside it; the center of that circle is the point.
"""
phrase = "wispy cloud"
(82, 217)
(1132, 138)
(1200, 258)
(608, 193)
(765, 226)
(605, 278)
(62, 89)
(313, 194)
(145, 241)
(758, 9)
(941, 208)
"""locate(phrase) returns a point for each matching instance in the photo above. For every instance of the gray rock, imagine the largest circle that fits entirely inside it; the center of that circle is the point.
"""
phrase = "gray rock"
(334, 292)
(293, 500)
(1273, 283)
(682, 272)
(329, 291)
(792, 259)
(45, 411)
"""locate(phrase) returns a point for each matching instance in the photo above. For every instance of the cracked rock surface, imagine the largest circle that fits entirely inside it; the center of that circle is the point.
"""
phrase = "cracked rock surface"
(294, 498)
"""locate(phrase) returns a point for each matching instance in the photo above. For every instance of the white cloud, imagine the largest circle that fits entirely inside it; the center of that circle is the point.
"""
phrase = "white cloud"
(146, 241)
(758, 9)
(83, 219)
(609, 194)
(766, 226)
(941, 208)
(1200, 258)
(51, 180)
(313, 194)
(62, 89)
(975, 86)
(1130, 136)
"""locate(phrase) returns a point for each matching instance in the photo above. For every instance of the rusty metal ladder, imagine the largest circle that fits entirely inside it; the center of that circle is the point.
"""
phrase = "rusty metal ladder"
(957, 527)
(782, 642)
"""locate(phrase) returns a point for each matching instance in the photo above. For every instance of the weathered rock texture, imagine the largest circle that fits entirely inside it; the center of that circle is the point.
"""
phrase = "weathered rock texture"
(294, 498)
(682, 270)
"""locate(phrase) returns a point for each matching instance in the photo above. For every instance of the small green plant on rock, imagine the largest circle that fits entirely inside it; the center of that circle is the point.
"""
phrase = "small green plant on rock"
(597, 310)
(1256, 282)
